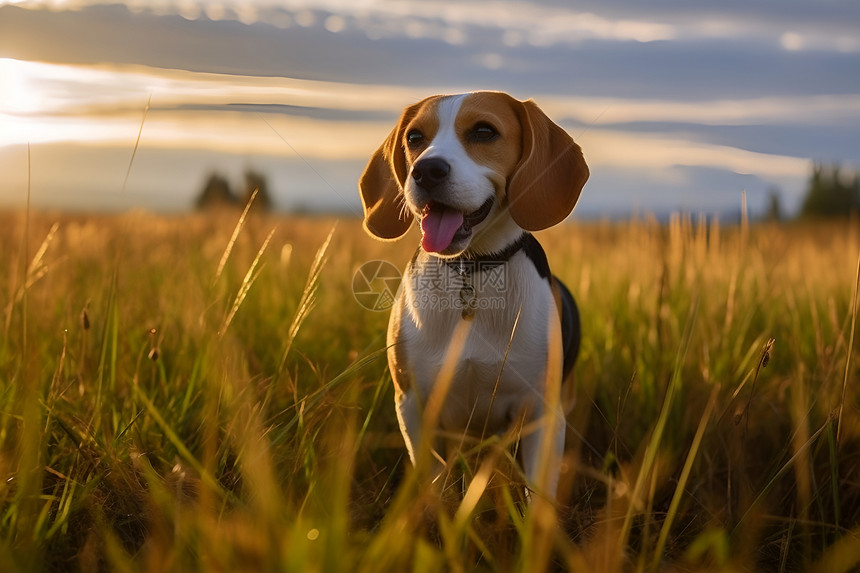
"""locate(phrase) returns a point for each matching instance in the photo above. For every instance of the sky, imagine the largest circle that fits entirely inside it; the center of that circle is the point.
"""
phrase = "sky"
(677, 105)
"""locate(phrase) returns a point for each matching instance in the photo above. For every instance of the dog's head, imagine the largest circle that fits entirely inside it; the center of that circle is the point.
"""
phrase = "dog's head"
(473, 169)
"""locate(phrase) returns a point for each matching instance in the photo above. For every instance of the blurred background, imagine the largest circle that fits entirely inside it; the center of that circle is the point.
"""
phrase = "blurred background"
(677, 105)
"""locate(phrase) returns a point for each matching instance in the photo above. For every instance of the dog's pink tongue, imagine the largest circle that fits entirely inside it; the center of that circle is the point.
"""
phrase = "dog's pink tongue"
(438, 227)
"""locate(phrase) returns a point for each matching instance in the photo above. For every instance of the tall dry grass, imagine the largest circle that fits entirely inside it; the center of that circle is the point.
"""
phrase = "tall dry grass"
(197, 393)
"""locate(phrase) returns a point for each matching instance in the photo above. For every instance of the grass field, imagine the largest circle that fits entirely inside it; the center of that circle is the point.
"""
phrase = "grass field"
(173, 400)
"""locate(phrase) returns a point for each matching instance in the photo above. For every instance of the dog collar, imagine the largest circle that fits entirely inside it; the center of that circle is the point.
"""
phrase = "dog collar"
(468, 264)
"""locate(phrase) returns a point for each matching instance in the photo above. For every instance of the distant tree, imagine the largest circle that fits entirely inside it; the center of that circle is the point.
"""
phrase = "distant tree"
(257, 182)
(830, 194)
(215, 194)
(774, 205)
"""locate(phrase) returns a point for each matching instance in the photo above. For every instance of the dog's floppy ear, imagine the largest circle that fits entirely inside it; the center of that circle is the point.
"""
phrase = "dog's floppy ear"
(381, 186)
(547, 182)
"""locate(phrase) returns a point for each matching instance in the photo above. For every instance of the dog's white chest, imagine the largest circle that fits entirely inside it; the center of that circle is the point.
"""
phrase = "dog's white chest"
(500, 369)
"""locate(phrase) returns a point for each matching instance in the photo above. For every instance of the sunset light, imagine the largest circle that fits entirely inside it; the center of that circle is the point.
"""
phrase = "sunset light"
(18, 94)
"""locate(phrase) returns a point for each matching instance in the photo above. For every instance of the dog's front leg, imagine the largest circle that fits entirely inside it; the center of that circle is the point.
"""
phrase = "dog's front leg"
(542, 449)
(543, 445)
(410, 415)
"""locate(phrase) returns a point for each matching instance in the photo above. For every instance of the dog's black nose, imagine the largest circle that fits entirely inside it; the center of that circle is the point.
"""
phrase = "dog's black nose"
(429, 173)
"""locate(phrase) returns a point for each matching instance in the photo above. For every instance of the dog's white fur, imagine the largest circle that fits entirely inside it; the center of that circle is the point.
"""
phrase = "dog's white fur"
(506, 153)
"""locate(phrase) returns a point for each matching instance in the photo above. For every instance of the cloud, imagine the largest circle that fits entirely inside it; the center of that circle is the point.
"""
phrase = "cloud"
(794, 26)
(97, 105)
(108, 88)
(773, 110)
(530, 48)
(337, 120)
(656, 152)
(831, 144)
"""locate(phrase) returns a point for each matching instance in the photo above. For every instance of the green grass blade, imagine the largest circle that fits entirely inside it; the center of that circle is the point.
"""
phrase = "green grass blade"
(657, 435)
(180, 446)
(682, 480)
(854, 302)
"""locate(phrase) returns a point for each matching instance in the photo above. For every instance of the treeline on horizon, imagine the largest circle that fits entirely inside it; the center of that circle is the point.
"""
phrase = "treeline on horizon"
(831, 192)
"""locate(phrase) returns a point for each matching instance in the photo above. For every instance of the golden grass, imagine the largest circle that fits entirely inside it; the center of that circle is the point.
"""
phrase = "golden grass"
(175, 396)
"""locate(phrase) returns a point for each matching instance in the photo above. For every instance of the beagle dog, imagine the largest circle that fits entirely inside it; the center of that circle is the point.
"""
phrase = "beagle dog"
(481, 334)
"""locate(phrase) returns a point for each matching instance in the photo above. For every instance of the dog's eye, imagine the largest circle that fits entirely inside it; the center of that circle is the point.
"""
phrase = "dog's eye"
(414, 138)
(483, 133)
